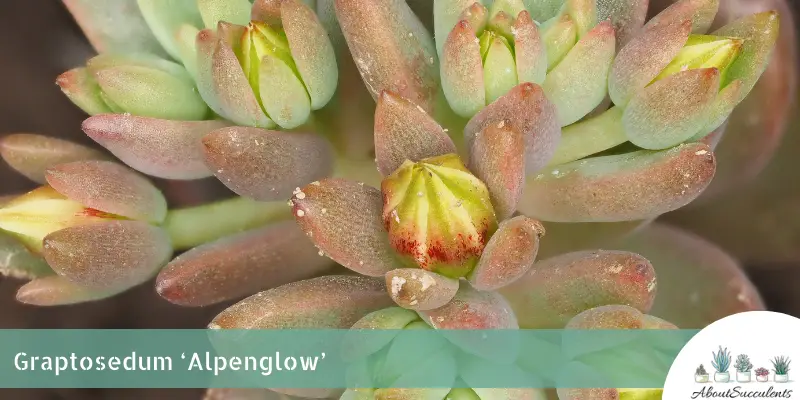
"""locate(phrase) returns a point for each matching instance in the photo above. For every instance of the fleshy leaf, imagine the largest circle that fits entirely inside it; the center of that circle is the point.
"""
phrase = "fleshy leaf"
(240, 265)
(108, 255)
(528, 112)
(719, 112)
(671, 110)
(472, 310)
(282, 94)
(509, 254)
(312, 51)
(590, 137)
(16, 261)
(698, 282)
(418, 289)
(559, 36)
(543, 10)
(81, 88)
(151, 92)
(760, 33)
(499, 68)
(446, 14)
(114, 26)
(31, 155)
(165, 16)
(559, 288)
(610, 316)
(332, 302)
(403, 131)
(529, 50)
(391, 48)
(627, 16)
(344, 219)
(497, 158)
(627, 187)
(58, 291)
(223, 85)
(700, 12)
(230, 11)
(109, 187)
(161, 148)
(643, 58)
(267, 165)
(462, 71)
(246, 394)
(578, 84)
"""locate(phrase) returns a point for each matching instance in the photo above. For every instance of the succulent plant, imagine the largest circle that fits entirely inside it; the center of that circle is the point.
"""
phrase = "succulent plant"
(743, 363)
(701, 370)
(762, 372)
(721, 359)
(520, 129)
(781, 365)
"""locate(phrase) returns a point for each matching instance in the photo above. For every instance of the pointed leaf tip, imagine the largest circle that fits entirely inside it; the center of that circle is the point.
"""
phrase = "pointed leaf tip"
(267, 165)
(58, 291)
(509, 254)
(109, 187)
(404, 131)
(497, 157)
(344, 219)
(240, 265)
(161, 148)
(109, 255)
(31, 155)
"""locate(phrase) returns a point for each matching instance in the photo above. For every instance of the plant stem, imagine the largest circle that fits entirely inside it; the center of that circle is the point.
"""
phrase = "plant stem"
(193, 226)
(590, 137)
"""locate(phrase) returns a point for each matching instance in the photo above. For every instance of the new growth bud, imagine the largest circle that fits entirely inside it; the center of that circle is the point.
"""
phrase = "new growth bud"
(439, 216)
(704, 51)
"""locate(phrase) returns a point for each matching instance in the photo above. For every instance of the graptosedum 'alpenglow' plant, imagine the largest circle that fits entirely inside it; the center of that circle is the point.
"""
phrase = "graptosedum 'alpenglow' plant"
(513, 120)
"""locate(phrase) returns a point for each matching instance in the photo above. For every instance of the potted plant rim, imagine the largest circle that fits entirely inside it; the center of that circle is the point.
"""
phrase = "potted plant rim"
(743, 367)
(701, 375)
(721, 362)
(781, 367)
(762, 374)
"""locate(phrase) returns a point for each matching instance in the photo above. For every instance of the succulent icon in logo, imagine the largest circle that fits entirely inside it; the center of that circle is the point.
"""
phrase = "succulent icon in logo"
(781, 367)
(721, 361)
(762, 374)
(700, 374)
(743, 368)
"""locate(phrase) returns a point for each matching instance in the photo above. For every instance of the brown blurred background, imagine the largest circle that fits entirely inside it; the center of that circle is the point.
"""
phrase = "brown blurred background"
(38, 41)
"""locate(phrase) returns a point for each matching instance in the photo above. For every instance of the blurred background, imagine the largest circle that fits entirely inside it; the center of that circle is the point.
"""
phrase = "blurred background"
(39, 40)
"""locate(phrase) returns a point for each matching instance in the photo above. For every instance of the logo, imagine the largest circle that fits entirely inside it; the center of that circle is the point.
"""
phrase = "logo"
(753, 360)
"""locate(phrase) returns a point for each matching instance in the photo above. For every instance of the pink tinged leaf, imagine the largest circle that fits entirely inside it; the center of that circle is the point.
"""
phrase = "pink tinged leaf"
(528, 112)
(17, 261)
(472, 310)
(529, 50)
(403, 131)
(240, 265)
(151, 92)
(344, 219)
(671, 110)
(611, 316)
(633, 186)
(700, 12)
(627, 16)
(719, 111)
(282, 94)
(114, 26)
(109, 187)
(497, 157)
(81, 88)
(246, 394)
(698, 282)
(410, 394)
(31, 155)
(462, 71)
(223, 85)
(108, 255)
(644, 57)
(418, 289)
(577, 85)
(58, 291)
(267, 165)
(161, 148)
(268, 11)
(559, 288)
(760, 34)
(559, 36)
(165, 16)
(311, 50)
(584, 13)
(509, 254)
(332, 302)
(391, 48)
(446, 15)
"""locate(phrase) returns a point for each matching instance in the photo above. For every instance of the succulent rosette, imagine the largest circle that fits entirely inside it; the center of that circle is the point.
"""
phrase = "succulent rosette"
(509, 146)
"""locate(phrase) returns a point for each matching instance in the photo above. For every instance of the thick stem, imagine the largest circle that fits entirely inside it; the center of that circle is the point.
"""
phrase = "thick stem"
(590, 137)
(191, 227)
